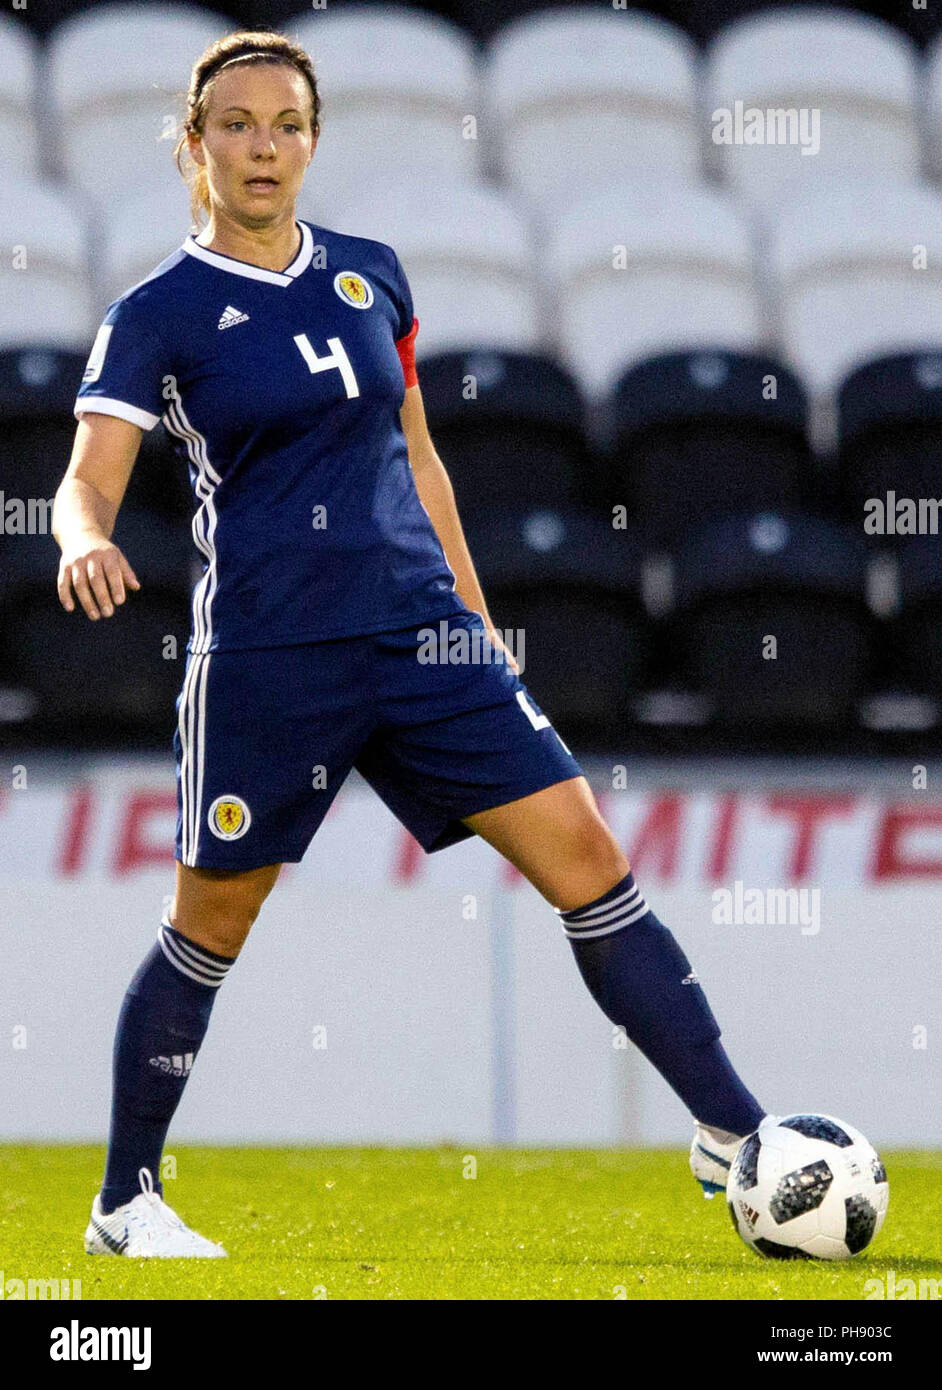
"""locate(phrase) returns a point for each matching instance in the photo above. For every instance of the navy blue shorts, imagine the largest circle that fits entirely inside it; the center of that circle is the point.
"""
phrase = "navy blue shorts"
(265, 739)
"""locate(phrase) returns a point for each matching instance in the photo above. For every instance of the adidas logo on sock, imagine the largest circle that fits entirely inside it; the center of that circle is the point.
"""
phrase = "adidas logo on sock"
(230, 317)
(173, 1066)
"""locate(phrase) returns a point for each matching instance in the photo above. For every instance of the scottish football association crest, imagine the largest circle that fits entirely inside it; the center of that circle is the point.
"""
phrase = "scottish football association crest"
(229, 817)
(353, 289)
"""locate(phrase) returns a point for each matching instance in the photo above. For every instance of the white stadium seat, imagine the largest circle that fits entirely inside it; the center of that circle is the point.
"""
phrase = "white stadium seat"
(45, 292)
(397, 90)
(933, 85)
(844, 266)
(466, 251)
(118, 76)
(656, 269)
(140, 233)
(19, 145)
(858, 73)
(587, 100)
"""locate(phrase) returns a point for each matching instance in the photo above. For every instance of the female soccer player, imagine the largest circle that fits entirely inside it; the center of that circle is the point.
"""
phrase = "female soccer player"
(280, 356)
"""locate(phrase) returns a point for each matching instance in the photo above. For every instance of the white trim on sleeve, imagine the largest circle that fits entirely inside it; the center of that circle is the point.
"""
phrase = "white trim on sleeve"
(104, 405)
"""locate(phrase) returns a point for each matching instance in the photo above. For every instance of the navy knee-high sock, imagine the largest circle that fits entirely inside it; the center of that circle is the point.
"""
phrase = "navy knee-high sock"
(162, 1023)
(642, 980)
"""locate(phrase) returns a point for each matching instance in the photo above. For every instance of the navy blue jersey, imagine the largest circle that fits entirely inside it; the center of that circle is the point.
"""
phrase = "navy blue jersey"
(282, 392)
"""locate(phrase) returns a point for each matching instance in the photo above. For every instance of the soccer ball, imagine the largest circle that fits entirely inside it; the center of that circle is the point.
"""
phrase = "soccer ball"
(807, 1187)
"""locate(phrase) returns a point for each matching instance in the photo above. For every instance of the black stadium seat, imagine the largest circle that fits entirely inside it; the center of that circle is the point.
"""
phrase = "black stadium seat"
(793, 577)
(890, 434)
(37, 392)
(37, 429)
(484, 17)
(701, 18)
(104, 680)
(694, 437)
(915, 632)
(509, 427)
(271, 14)
(571, 583)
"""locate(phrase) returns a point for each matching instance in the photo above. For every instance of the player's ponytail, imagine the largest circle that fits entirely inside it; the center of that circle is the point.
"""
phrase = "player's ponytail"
(246, 46)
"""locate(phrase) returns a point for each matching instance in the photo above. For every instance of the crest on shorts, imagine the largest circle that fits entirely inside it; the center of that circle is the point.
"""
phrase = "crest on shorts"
(353, 289)
(229, 817)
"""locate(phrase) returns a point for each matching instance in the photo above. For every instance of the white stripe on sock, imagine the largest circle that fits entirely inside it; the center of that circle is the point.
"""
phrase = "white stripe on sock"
(189, 960)
(592, 916)
(603, 919)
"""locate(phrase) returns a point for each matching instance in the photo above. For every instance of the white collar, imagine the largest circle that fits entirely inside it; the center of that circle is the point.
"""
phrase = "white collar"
(256, 272)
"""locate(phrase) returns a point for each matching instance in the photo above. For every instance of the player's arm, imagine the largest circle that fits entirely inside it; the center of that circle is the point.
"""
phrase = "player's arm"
(84, 512)
(437, 496)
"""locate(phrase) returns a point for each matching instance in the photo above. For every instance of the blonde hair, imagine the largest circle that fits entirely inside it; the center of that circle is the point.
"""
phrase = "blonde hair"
(247, 46)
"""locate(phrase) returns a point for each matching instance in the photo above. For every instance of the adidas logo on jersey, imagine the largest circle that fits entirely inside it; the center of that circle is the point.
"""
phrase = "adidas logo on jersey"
(230, 317)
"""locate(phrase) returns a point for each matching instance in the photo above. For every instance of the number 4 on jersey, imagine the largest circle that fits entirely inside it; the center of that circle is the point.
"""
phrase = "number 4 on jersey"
(338, 358)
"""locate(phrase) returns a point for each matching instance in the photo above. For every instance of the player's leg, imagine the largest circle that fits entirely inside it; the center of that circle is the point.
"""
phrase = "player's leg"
(631, 963)
(559, 840)
(161, 1026)
(463, 748)
(246, 804)
(215, 908)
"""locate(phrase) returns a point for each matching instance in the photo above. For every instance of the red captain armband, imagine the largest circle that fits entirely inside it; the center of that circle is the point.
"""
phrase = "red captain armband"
(406, 350)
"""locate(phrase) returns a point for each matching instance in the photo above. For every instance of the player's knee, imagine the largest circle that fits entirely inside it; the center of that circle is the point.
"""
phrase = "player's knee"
(222, 916)
(597, 852)
(594, 864)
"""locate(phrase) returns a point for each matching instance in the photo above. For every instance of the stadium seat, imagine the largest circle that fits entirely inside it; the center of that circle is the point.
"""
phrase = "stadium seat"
(700, 426)
(658, 269)
(509, 428)
(794, 578)
(570, 583)
(141, 232)
(37, 429)
(468, 255)
(702, 20)
(848, 283)
(398, 88)
(113, 678)
(590, 100)
(118, 77)
(890, 433)
(19, 141)
(914, 637)
(37, 391)
(933, 92)
(46, 293)
(858, 73)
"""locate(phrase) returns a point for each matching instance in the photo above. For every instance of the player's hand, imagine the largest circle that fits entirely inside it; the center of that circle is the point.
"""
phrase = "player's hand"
(497, 641)
(99, 574)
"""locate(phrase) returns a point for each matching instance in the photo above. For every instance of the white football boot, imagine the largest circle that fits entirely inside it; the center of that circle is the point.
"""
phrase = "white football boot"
(146, 1228)
(711, 1155)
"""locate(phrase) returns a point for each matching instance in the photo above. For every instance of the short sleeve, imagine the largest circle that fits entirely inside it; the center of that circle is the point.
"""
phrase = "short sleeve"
(126, 369)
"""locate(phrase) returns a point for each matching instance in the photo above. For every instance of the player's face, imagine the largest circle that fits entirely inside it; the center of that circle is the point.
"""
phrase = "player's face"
(257, 141)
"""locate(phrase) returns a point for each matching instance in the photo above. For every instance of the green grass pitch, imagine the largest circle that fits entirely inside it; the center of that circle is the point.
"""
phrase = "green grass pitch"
(409, 1224)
